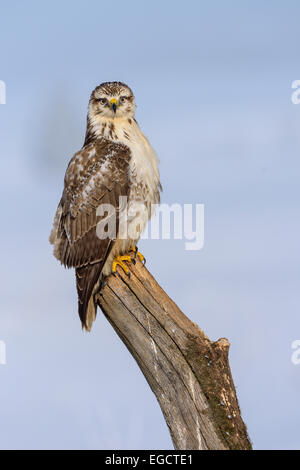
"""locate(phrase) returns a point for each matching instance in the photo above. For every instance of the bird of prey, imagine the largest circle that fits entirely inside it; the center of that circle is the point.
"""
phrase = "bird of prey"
(116, 163)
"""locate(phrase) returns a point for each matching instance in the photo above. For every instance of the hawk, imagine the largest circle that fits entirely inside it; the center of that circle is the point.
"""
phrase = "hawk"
(116, 163)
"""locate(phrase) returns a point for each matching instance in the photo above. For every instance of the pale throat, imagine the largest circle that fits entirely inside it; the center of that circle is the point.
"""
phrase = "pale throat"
(118, 129)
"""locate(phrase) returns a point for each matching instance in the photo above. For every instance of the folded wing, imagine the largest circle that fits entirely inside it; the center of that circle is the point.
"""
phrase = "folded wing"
(96, 175)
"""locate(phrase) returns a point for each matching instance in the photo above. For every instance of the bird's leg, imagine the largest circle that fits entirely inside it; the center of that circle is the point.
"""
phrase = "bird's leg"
(137, 253)
(119, 260)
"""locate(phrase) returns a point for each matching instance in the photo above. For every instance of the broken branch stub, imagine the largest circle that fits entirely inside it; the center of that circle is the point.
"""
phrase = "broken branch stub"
(189, 374)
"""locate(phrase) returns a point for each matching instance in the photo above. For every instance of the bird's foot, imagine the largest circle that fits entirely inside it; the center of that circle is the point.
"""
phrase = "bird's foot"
(119, 261)
(137, 253)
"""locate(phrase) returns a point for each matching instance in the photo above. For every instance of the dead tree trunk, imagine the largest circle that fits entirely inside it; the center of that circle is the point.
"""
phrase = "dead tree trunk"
(189, 374)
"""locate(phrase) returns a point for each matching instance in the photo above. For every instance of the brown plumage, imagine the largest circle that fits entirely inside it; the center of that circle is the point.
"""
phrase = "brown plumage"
(74, 234)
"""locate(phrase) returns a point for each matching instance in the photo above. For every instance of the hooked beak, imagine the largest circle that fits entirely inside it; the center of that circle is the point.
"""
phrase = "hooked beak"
(113, 105)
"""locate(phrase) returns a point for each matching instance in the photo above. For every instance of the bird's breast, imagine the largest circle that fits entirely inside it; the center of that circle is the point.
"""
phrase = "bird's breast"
(143, 177)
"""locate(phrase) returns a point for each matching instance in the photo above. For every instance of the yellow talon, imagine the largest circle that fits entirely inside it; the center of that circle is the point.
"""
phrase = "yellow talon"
(119, 260)
(137, 253)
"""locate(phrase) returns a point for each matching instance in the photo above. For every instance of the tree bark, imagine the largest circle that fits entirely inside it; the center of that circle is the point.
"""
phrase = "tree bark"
(189, 374)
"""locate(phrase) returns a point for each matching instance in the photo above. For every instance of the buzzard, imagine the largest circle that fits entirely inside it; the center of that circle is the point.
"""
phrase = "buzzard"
(116, 168)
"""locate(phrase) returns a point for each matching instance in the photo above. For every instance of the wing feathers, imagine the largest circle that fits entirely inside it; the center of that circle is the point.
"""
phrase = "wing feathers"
(97, 174)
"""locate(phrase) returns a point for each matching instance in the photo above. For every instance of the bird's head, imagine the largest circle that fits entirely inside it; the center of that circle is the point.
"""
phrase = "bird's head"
(111, 100)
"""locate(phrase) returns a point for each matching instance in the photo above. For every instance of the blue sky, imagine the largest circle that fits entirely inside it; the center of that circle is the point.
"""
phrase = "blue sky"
(213, 87)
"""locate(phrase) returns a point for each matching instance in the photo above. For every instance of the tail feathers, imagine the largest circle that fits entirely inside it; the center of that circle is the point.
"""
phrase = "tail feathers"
(90, 314)
(87, 282)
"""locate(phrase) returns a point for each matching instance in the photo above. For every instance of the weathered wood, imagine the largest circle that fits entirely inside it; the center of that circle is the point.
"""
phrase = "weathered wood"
(189, 374)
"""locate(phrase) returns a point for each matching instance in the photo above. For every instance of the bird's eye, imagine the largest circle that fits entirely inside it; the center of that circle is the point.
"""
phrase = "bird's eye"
(123, 99)
(102, 100)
